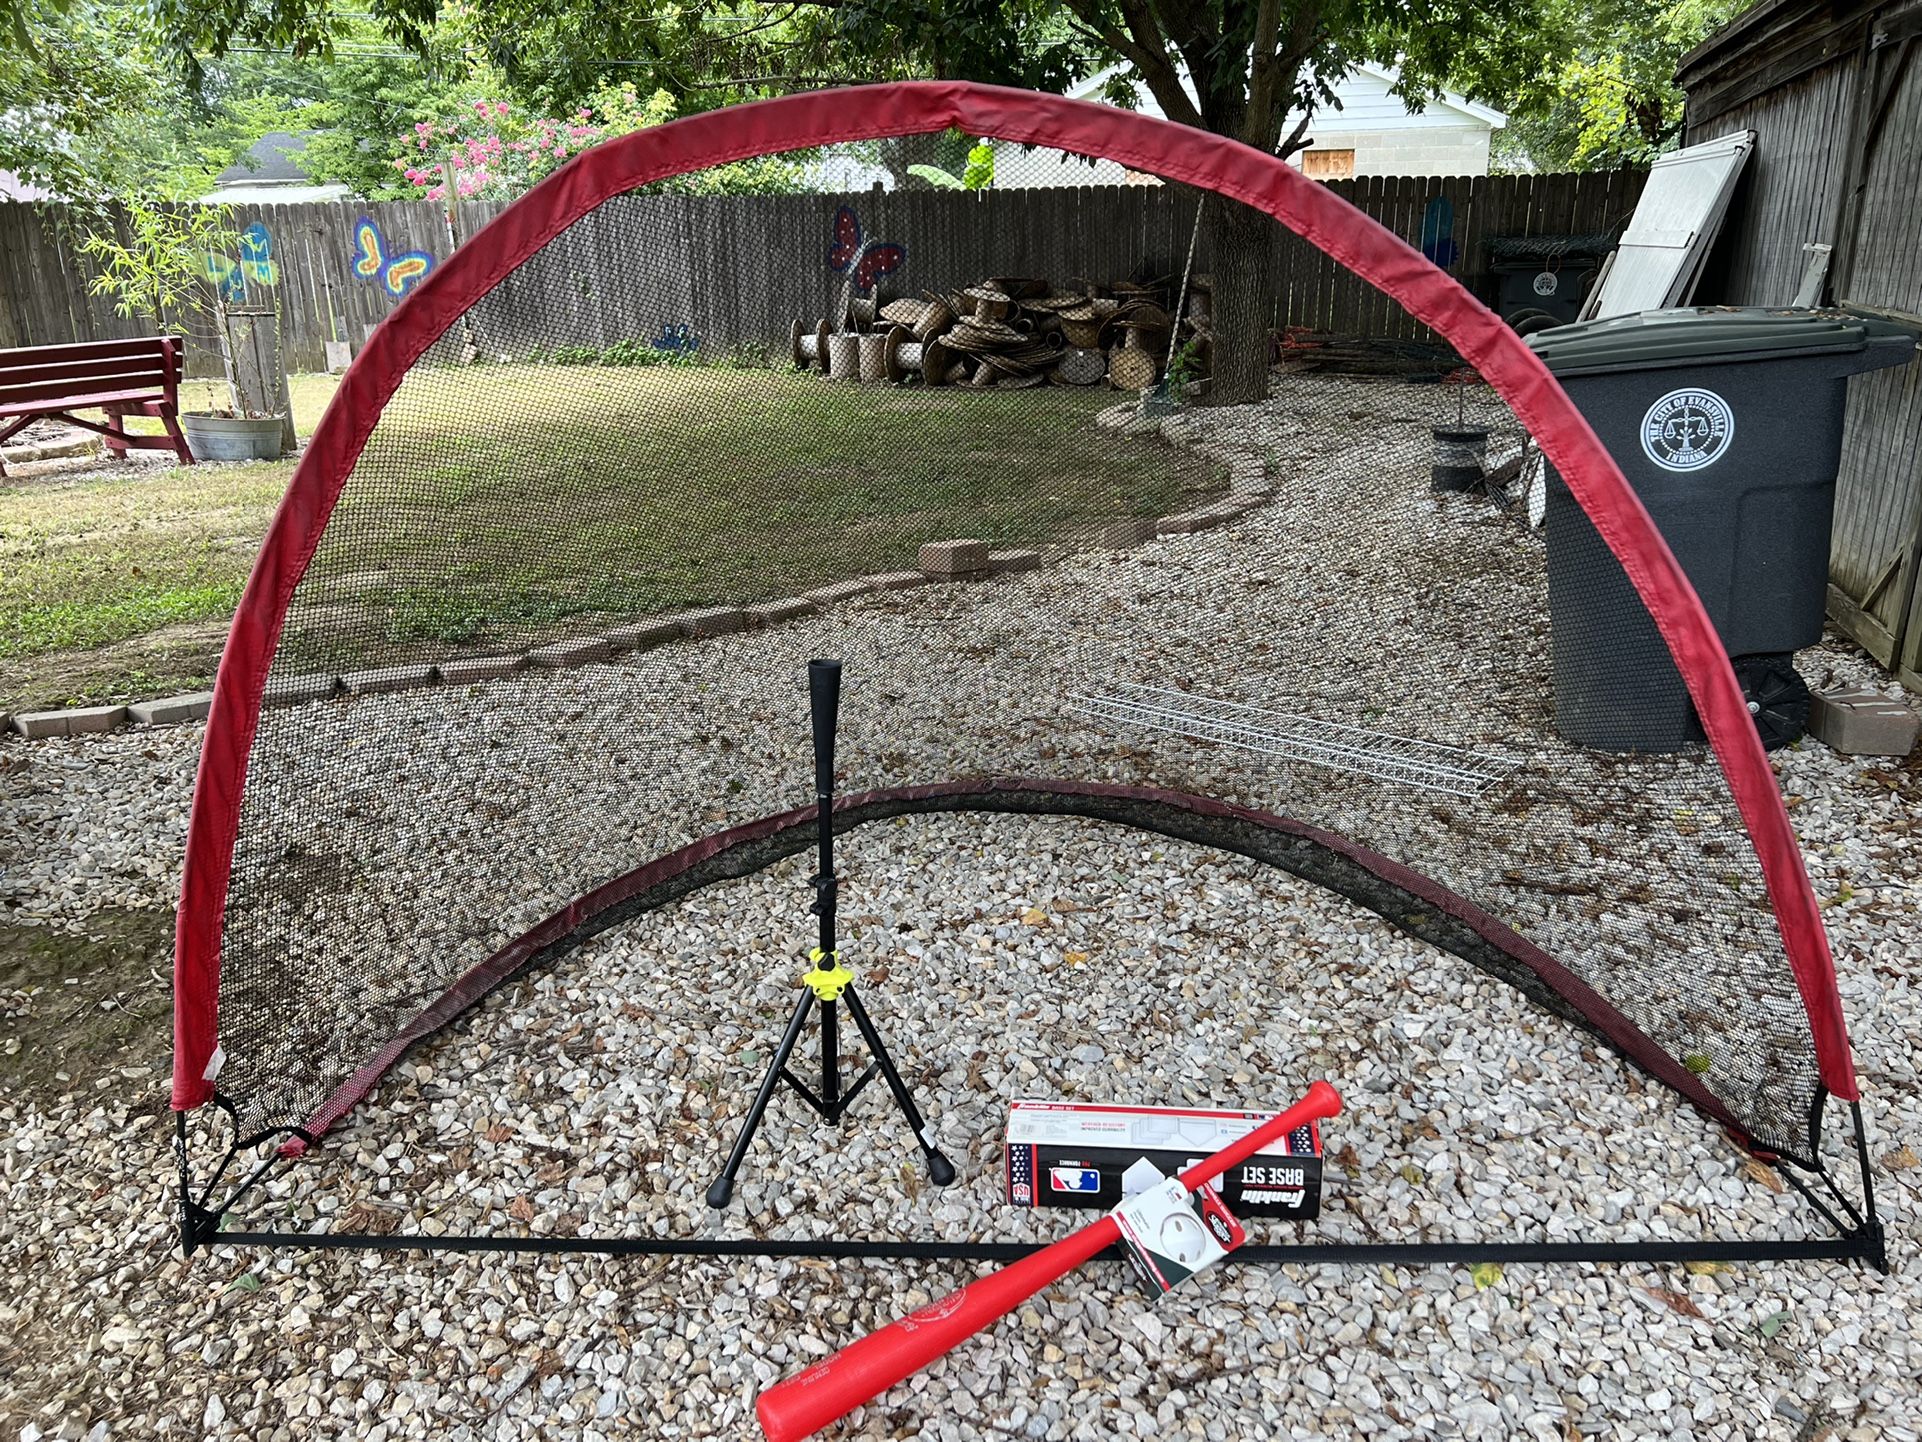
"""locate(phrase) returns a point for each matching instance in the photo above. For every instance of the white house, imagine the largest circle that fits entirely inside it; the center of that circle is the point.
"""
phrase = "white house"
(12, 187)
(1369, 131)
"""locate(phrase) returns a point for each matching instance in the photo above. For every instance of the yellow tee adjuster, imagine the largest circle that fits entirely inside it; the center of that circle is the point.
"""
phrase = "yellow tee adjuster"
(828, 981)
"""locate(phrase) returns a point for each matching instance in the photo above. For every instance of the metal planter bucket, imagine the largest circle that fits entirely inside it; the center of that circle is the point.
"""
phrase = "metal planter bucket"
(1460, 452)
(232, 438)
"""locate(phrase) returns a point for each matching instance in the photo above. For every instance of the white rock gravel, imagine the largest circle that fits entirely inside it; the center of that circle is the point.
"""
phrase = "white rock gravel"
(392, 843)
(1021, 956)
(1002, 956)
(601, 1101)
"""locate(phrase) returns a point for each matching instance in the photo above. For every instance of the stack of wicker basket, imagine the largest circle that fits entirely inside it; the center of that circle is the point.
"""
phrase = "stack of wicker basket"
(1012, 332)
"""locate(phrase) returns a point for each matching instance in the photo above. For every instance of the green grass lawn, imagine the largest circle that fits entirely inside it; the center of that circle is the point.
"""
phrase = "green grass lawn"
(502, 505)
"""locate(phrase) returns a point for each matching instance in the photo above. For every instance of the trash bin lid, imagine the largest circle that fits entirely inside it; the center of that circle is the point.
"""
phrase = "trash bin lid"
(1652, 339)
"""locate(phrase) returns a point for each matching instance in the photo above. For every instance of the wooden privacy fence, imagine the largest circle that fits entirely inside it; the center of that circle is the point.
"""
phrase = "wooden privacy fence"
(1834, 96)
(736, 270)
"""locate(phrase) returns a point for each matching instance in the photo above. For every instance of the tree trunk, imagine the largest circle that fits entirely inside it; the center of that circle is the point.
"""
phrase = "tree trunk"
(1241, 244)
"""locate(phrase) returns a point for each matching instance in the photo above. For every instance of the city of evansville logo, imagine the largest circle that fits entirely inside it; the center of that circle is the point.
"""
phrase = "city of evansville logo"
(1687, 429)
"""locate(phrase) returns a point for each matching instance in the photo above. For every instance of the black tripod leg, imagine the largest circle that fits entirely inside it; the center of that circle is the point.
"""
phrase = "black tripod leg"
(940, 1169)
(722, 1191)
(831, 1061)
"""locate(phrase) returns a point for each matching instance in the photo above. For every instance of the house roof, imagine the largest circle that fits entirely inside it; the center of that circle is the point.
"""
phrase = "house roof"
(271, 173)
(271, 160)
(1461, 110)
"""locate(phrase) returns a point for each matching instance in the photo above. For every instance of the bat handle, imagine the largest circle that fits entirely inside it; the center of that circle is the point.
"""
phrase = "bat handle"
(1320, 1102)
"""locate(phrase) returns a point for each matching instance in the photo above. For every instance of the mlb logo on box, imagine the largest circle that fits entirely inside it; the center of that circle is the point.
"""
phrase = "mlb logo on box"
(1074, 1179)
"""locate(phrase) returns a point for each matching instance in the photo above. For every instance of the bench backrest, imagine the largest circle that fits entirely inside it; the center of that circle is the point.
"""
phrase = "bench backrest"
(46, 376)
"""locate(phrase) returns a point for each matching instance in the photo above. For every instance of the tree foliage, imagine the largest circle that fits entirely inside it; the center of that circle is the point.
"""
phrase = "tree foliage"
(1239, 67)
(70, 76)
(1590, 84)
(1255, 70)
(155, 267)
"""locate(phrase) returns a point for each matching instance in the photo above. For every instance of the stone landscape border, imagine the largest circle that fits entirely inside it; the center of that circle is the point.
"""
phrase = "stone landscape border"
(62, 450)
(957, 560)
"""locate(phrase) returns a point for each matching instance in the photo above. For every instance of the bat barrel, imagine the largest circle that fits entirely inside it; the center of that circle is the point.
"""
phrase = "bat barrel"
(829, 1390)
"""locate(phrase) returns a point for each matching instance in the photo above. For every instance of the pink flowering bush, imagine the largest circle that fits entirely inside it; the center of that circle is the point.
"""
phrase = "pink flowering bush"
(497, 152)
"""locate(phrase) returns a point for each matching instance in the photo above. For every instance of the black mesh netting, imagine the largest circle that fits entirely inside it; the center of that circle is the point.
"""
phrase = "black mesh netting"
(619, 436)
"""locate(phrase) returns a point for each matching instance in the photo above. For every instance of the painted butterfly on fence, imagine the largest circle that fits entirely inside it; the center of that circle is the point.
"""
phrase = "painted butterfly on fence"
(256, 263)
(677, 339)
(864, 262)
(398, 274)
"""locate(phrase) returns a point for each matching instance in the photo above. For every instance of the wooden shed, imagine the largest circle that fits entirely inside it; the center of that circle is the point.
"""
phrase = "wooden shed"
(1834, 94)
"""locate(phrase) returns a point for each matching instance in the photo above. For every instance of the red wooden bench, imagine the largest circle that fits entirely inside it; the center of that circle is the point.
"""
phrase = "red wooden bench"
(120, 377)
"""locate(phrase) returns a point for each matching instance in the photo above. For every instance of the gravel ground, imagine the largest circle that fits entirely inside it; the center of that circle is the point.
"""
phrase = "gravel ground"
(1004, 957)
(1029, 962)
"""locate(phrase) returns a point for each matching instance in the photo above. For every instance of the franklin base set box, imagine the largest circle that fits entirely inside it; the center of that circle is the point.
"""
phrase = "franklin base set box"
(1073, 1154)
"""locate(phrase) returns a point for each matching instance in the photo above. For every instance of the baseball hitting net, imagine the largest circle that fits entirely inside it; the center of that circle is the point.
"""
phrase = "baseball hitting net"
(519, 658)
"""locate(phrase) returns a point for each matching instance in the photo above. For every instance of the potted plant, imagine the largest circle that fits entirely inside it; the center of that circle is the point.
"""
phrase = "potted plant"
(173, 260)
(1184, 377)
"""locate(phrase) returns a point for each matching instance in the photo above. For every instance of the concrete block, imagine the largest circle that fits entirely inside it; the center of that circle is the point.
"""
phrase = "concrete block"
(171, 710)
(470, 669)
(85, 720)
(1223, 511)
(840, 591)
(1187, 523)
(37, 725)
(1859, 722)
(954, 558)
(772, 613)
(570, 653)
(896, 580)
(54, 451)
(1120, 535)
(295, 690)
(644, 635)
(716, 621)
(1003, 562)
(388, 678)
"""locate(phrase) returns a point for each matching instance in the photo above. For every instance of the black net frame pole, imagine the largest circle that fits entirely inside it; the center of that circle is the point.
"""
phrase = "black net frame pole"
(1847, 1248)
(829, 983)
(200, 1213)
(1871, 1227)
(1864, 1241)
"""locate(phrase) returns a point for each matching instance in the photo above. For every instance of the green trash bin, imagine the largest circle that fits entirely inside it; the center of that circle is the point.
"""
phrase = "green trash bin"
(1728, 424)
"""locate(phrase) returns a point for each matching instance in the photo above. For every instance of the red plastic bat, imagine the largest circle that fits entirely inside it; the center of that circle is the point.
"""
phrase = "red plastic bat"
(830, 1389)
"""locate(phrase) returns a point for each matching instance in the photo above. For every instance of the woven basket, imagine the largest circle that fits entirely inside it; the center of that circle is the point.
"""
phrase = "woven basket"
(936, 319)
(987, 304)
